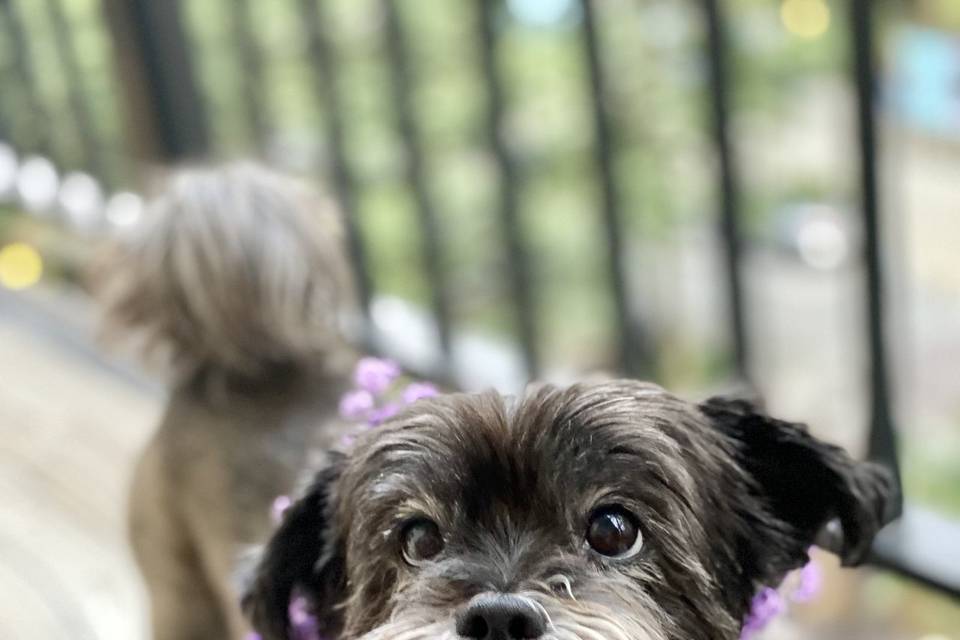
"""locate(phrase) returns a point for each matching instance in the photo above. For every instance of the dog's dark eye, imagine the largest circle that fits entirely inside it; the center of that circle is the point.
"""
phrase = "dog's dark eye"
(613, 532)
(421, 541)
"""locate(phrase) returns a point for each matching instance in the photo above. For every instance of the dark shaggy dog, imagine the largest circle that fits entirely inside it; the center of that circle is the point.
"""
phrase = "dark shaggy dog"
(234, 280)
(611, 511)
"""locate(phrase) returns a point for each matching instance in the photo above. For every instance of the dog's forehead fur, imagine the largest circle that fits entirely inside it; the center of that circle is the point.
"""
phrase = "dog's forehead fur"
(551, 452)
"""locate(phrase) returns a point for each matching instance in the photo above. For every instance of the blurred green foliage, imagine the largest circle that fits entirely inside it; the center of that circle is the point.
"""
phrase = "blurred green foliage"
(548, 124)
(52, 128)
(652, 57)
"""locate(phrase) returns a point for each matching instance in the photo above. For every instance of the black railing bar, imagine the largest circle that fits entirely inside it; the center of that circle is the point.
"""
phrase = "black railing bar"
(402, 78)
(720, 79)
(518, 260)
(182, 126)
(882, 444)
(22, 66)
(5, 122)
(73, 76)
(327, 90)
(251, 70)
(633, 346)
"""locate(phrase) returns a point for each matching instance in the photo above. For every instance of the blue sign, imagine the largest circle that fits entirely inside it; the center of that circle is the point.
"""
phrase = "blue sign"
(925, 87)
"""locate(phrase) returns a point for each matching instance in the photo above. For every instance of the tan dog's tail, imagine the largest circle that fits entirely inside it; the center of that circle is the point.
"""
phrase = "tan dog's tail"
(234, 275)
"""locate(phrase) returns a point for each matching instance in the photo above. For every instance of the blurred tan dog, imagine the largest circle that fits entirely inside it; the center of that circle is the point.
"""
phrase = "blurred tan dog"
(235, 279)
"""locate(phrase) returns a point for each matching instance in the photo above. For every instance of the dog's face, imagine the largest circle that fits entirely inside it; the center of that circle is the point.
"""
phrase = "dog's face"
(604, 511)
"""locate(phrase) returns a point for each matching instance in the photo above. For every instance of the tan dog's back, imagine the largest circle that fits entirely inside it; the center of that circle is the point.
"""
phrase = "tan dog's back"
(236, 280)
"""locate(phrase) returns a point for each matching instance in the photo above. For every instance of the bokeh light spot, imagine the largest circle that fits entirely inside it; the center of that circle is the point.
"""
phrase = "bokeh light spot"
(8, 170)
(20, 266)
(805, 18)
(124, 209)
(38, 184)
(82, 200)
(542, 13)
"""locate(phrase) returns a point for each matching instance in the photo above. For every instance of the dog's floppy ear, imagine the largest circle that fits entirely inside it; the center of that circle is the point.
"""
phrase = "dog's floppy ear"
(806, 483)
(301, 558)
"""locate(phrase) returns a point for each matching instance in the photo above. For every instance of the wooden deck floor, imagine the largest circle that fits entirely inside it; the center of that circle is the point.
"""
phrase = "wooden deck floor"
(69, 432)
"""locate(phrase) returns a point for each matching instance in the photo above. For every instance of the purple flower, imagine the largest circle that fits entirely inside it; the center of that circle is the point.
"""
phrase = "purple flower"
(356, 404)
(382, 414)
(766, 606)
(809, 583)
(253, 635)
(418, 391)
(303, 624)
(375, 375)
(279, 507)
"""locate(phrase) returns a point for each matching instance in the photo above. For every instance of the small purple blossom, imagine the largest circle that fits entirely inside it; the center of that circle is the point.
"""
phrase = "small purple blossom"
(766, 606)
(382, 414)
(375, 374)
(253, 635)
(809, 583)
(417, 391)
(303, 624)
(279, 507)
(356, 404)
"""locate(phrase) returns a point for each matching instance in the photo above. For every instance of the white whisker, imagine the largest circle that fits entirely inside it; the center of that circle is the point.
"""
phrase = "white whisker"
(564, 582)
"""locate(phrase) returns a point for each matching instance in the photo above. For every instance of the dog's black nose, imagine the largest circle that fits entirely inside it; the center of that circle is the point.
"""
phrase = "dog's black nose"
(501, 617)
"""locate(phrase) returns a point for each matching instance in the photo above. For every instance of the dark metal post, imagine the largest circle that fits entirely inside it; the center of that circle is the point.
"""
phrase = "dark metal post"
(165, 112)
(634, 354)
(4, 123)
(250, 61)
(717, 51)
(83, 119)
(6, 132)
(407, 125)
(882, 442)
(17, 48)
(518, 260)
(327, 88)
